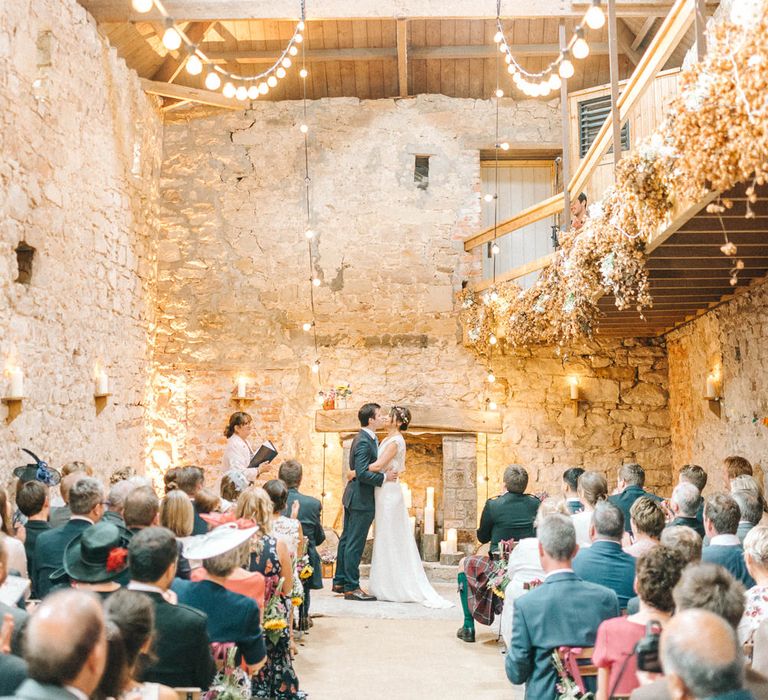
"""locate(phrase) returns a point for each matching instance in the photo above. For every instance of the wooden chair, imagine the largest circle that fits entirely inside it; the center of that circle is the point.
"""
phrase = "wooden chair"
(188, 693)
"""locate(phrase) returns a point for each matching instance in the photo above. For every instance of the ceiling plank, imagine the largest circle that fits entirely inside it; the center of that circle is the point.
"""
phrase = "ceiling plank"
(172, 66)
(647, 26)
(402, 56)
(180, 92)
(625, 39)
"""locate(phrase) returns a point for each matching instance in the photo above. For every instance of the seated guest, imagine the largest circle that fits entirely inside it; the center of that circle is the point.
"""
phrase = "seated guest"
(86, 499)
(658, 571)
(96, 560)
(592, 488)
(188, 480)
(735, 466)
(178, 515)
(684, 504)
(647, 519)
(570, 488)
(13, 672)
(285, 529)
(563, 611)
(702, 658)
(133, 615)
(69, 670)
(32, 501)
(60, 515)
(683, 539)
(756, 559)
(141, 509)
(17, 556)
(507, 517)
(750, 484)
(721, 520)
(310, 516)
(116, 502)
(233, 483)
(18, 617)
(630, 488)
(694, 474)
(605, 562)
(207, 501)
(232, 617)
(750, 512)
(182, 647)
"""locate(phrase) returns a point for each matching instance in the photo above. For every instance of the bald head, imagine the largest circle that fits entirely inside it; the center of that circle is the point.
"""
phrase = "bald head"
(700, 655)
(74, 616)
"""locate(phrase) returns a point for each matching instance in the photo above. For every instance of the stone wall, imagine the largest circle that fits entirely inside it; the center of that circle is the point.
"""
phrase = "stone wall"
(730, 340)
(233, 291)
(81, 147)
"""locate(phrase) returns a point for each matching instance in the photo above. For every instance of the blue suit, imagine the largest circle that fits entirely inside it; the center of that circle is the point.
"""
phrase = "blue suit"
(49, 554)
(563, 611)
(627, 497)
(730, 557)
(607, 564)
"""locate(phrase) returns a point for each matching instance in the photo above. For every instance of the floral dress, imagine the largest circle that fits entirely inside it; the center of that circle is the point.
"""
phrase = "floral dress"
(276, 679)
(755, 611)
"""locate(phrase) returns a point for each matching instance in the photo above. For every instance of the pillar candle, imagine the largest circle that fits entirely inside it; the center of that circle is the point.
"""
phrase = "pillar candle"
(711, 388)
(444, 548)
(430, 497)
(242, 383)
(452, 540)
(17, 383)
(574, 390)
(102, 383)
(429, 520)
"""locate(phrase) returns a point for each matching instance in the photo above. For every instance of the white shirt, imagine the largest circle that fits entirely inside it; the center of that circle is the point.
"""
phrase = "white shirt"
(79, 694)
(581, 522)
(725, 540)
(558, 571)
(169, 595)
(237, 454)
(372, 434)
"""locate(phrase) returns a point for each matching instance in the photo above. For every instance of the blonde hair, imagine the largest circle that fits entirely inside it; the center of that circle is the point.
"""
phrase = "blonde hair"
(592, 487)
(756, 545)
(550, 506)
(76, 466)
(255, 504)
(177, 514)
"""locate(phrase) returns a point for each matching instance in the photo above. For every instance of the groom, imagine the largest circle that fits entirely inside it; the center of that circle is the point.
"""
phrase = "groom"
(359, 503)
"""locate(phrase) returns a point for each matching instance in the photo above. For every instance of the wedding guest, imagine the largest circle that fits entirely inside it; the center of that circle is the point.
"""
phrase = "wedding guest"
(233, 618)
(233, 483)
(206, 501)
(756, 559)
(658, 571)
(116, 502)
(751, 485)
(735, 466)
(71, 670)
(60, 515)
(285, 529)
(13, 669)
(570, 488)
(630, 487)
(702, 658)
(182, 646)
(17, 555)
(684, 504)
(605, 563)
(18, 616)
(238, 452)
(647, 520)
(271, 558)
(33, 502)
(721, 520)
(76, 466)
(579, 211)
(694, 474)
(86, 501)
(750, 512)
(683, 539)
(592, 488)
(142, 509)
(96, 560)
(188, 480)
(178, 515)
(563, 611)
(310, 516)
(133, 614)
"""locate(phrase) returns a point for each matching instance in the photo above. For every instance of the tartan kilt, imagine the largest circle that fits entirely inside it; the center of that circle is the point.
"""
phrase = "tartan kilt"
(483, 604)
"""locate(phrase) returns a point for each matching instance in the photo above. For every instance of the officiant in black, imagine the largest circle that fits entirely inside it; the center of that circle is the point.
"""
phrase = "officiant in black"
(310, 517)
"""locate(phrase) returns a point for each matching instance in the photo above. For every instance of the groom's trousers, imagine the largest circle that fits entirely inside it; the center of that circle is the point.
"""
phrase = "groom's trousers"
(357, 523)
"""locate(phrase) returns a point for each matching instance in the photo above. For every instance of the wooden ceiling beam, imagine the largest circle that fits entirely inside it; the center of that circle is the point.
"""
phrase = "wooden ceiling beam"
(625, 39)
(647, 26)
(402, 56)
(180, 92)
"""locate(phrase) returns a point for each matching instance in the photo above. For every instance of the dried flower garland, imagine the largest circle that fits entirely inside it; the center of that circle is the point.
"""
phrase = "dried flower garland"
(715, 136)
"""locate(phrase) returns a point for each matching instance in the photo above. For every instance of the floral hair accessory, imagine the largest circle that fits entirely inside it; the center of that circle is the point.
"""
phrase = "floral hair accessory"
(117, 559)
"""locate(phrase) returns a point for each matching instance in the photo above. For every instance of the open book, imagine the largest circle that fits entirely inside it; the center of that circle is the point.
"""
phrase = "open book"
(266, 453)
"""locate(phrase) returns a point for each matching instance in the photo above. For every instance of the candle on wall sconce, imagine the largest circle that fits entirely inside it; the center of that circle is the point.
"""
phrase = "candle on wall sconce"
(102, 383)
(712, 393)
(16, 393)
(242, 385)
(17, 383)
(574, 393)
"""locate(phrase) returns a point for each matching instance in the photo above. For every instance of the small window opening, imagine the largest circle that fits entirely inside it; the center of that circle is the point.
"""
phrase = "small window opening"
(421, 172)
(25, 253)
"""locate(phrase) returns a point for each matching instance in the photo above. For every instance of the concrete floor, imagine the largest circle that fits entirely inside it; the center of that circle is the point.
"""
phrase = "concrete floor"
(378, 651)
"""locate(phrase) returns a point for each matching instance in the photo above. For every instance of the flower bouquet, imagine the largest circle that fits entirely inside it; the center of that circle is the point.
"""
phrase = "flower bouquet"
(275, 615)
(567, 688)
(303, 568)
(231, 683)
(297, 593)
(327, 556)
(343, 392)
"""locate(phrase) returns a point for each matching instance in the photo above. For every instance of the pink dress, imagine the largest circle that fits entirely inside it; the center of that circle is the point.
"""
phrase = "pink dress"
(616, 639)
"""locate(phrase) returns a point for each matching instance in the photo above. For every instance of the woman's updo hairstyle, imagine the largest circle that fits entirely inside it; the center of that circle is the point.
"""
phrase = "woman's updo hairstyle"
(402, 416)
(278, 492)
(236, 419)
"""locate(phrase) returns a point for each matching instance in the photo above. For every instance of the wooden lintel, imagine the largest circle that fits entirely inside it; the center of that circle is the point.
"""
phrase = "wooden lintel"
(180, 92)
(436, 419)
(402, 56)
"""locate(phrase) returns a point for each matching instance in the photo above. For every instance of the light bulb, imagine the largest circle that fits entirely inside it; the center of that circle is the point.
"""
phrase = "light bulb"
(517, 79)
(287, 62)
(488, 197)
(212, 81)
(499, 93)
(498, 37)
(566, 67)
(263, 88)
(491, 377)
(555, 82)
(300, 25)
(271, 81)
(241, 93)
(494, 295)
(298, 38)
(505, 146)
(495, 249)
(512, 70)
(580, 49)
(171, 39)
(316, 281)
(229, 90)
(194, 65)
(253, 92)
(303, 128)
(303, 73)
(508, 58)
(142, 6)
(309, 234)
(280, 72)
(492, 339)
(316, 366)
(293, 51)
(307, 327)
(503, 48)
(595, 17)
(492, 406)
(544, 89)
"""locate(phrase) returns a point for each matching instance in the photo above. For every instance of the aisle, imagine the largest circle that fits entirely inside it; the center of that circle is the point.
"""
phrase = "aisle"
(373, 651)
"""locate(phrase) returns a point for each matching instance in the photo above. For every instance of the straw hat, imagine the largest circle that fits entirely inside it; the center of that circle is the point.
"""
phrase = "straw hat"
(217, 541)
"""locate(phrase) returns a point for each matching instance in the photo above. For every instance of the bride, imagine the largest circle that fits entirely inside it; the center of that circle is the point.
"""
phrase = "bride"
(397, 573)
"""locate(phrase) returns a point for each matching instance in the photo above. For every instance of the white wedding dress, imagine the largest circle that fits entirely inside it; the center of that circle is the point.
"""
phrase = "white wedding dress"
(397, 573)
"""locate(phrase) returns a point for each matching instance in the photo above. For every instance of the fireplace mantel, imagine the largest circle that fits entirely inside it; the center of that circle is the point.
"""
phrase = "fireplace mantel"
(443, 420)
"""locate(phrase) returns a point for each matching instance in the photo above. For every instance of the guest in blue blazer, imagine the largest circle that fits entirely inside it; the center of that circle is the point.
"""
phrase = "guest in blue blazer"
(694, 474)
(721, 521)
(630, 488)
(605, 562)
(563, 611)
(684, 503)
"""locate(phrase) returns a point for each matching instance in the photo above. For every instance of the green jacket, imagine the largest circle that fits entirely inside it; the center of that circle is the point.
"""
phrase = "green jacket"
(508, 517)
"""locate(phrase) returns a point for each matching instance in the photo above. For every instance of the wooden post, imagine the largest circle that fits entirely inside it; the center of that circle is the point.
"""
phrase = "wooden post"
(700, 25)
(613, 60)
(402, 56)
(565, 220)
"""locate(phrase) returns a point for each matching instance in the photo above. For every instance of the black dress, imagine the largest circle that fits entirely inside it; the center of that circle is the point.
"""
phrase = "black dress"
(276, 679)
